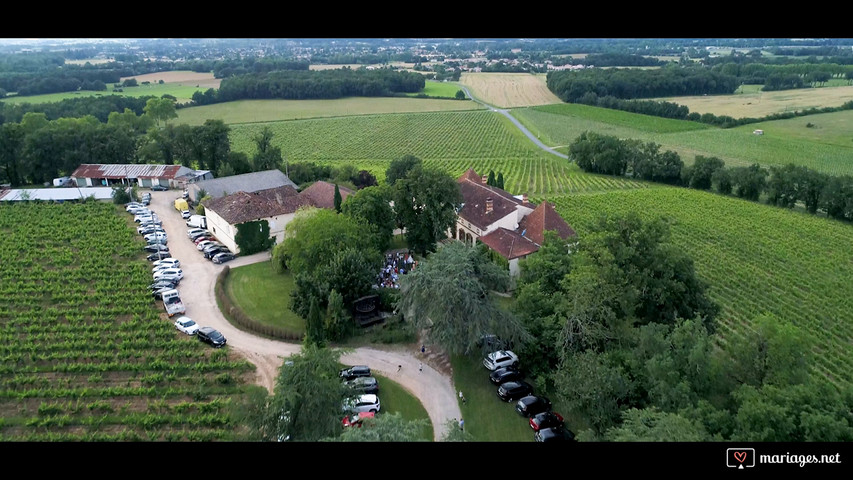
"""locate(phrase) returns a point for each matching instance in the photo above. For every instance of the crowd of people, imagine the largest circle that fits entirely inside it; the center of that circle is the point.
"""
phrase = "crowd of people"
(396, 264)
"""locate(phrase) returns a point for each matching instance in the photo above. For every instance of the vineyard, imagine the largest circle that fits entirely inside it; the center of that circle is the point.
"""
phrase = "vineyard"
(825, 146)
(85, 353)
(756, 259)
(453, 141)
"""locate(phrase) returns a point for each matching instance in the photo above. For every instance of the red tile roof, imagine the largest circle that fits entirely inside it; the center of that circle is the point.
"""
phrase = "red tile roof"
(474, 196)
(244, 207)
(543, 218)
(118, 171)
(509, 244)
(322, 194)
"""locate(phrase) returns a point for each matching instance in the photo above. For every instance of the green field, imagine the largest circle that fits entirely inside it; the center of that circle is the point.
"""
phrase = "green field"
(756, 259)
(87, 354)
(182, 92)
(264, 295)
(826, 147)
(253, 111)
(453, 141)
(438, 89)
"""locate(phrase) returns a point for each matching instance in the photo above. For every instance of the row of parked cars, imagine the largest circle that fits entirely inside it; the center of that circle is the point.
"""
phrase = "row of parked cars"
(364, 402)
(211, 248)
(167, 274)
(504, 371)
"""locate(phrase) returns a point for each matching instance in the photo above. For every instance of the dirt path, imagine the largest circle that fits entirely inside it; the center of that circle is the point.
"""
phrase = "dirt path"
(433, 386)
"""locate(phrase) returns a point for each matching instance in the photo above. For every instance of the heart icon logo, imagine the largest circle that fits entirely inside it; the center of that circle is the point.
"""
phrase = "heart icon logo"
(740, 456)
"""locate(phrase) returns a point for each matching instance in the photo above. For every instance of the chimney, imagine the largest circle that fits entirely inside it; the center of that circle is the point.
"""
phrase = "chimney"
(485, 179)
(489, 205)
(524, 198)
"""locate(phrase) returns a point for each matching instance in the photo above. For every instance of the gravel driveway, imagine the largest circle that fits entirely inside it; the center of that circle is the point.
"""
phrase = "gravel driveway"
(434, 389)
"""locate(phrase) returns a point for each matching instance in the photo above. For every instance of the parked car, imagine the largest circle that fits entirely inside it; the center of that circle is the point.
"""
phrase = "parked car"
(175, 273)
(546, 419)
(160, 284)
(185, 214)
(158, 256)
(207, 237)
(211, 336)
(153, 240)
(194, 231)
(155, 247)
(153, 222)
(168, 261)
(223, 257)
(156, 235)
(356, 419)
(362, 403)
(364, 384)
(186, 325)
(355, 372)
(200, 245)
(159, 188)
(554, 434)
(490, 343)
(531, 405)
(510, 391)
(213, 251)
(158, 294)
(505, 374)
(150, 228)
(500, 359)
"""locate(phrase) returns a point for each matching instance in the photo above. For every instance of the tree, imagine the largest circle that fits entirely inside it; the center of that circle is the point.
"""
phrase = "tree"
(267, 156)
(337, 198)
(500, 180)
(703, 172)
(253, 237)
(653, 425)
(388, 427)
(306, 403)
(775, 352)
(364, 179)
(400, 168)
(372, 205)
(351, 271)
(11, 146)
(425, 203)
(160, 109)
(749, 182)
(460, 95)
(452, 432)
(462, 278)
(120, 195)
(337, 317)
(213, 144)
(722, 181)
(491, 178)
(314, 325)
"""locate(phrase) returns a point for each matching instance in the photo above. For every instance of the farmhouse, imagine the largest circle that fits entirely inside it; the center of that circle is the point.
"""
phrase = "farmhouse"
(509, 225)
(247, 182)
(276, 205)
(145, 175)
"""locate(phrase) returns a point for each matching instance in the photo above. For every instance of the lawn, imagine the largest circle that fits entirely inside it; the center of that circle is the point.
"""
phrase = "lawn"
(395, 398)
(264, 295)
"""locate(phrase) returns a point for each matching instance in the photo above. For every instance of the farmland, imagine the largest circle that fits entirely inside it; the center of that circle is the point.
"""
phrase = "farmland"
(453, 141)
(756, 259)
(86, 353)
(825, 146)
(508, 90)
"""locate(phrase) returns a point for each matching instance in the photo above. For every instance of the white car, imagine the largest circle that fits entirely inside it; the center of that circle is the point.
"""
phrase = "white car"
(368, 402)
(205, 243)
(169, 274)
(185, 214)
(193, 231)
(500, 359)
(160, 268)
(156, 236)
(172, 262)
(186, 325)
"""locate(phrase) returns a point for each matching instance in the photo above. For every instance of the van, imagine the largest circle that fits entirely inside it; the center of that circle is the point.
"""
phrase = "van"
(181, 205)
(199, 221)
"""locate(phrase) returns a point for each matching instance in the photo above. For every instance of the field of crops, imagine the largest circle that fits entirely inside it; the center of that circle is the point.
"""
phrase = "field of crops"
(86, 353)
(825, 146)
(454, 141)
(508, 90)
(756, 258)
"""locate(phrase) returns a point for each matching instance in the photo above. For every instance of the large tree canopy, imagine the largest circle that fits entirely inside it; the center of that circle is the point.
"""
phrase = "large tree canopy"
(426, 202)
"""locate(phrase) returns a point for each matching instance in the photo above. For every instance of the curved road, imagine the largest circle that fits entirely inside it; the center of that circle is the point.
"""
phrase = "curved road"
(434, 389)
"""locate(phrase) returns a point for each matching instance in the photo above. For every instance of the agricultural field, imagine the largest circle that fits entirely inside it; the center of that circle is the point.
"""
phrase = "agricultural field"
(86, 353)
(454, 141)
(508, 90)
(253, 111)
(752, 102)
(438, 89)
(756, 259)
(826, 145)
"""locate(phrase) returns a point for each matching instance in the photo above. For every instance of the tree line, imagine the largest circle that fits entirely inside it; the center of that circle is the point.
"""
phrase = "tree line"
(784, 186)
(322, 84)
(99, 107)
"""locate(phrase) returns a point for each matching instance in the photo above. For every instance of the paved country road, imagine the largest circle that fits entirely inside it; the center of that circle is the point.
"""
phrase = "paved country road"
(433, 387)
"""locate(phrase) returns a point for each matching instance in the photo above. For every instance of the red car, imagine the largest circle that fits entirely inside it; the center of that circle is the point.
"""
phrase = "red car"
(546, 420)
(355, 419)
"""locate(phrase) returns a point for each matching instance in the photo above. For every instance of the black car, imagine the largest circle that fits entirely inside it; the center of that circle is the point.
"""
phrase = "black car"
(162, 284)
(491, 343)
(364, 385)
(554, 434)
(159, 188)
(223, 257)
(355, 372)
(158, 256)
(150, 229)
(510, 391)
(211, 336)
(546, 420)
(531, 405)
(156, 247)
(506, 374)
(158, 294)
(211, 250)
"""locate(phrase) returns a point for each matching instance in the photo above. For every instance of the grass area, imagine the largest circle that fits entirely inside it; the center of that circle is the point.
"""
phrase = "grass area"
(756, 258)
(826, 146)
(252, 111)
(396, 399)
(438, 89)
(182, 92)
(751, 101)
(264, 295)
